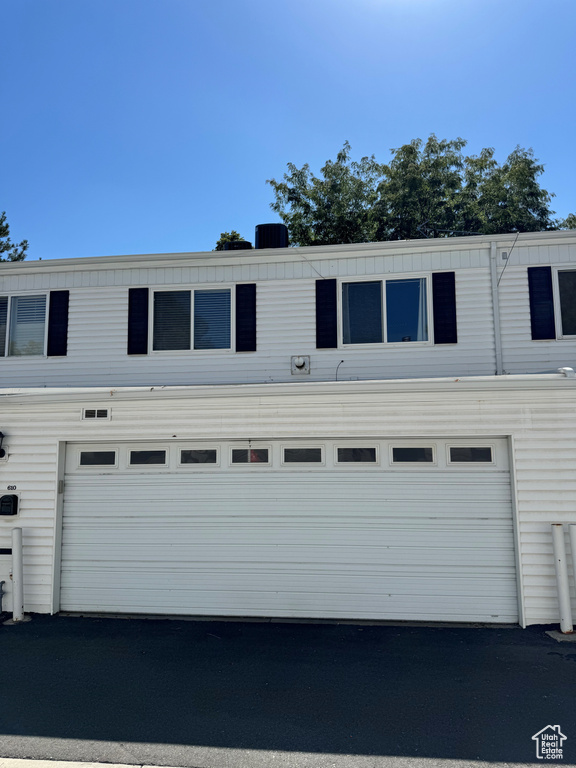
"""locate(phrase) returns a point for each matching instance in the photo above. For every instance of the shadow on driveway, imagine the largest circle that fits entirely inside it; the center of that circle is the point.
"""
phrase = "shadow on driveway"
(175, 692)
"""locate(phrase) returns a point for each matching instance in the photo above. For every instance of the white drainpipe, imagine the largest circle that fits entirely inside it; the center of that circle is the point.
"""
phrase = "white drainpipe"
(17, 576)
(572, 531)
(561, 565)
(496, 309)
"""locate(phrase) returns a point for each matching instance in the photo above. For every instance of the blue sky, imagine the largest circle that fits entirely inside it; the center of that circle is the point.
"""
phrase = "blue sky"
(150, 126)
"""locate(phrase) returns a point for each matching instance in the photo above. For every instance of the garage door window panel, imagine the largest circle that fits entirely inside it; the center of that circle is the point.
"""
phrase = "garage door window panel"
(98, 458)
(140, 458)
(256, 456)
(413, 455)
(302, 456)
(471, 454)
(356, 455)
(199, 456)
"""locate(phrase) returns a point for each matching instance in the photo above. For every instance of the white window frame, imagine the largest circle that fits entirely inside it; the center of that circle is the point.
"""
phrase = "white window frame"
(301, 464)
(475, 464)
(413, 444)
(149, 467)
(24, 294)
(383, 279)
(362, 464)
(192, 288)
(557, 304)
(198, 467)
(247, 464)
(98, 467)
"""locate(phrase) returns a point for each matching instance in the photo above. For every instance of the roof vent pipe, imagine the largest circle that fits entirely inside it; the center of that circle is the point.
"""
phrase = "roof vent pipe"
(271, 236)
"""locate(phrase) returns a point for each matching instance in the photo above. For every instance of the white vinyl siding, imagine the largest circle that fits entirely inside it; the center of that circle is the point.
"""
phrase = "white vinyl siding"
(533, 410)
(285, 326)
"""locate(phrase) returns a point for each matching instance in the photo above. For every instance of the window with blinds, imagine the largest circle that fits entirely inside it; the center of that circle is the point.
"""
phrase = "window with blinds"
(212, 319)
(23, 323)
(389, 311)
(199, 319)
(171, 320)
(3, 324)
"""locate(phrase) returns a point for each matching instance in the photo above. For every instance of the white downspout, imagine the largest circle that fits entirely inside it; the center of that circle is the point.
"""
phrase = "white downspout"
(562, 577)
(496, 309)
(572, 531)
(17, 576)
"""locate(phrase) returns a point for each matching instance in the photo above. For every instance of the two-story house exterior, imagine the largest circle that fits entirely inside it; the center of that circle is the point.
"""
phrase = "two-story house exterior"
(376, 431)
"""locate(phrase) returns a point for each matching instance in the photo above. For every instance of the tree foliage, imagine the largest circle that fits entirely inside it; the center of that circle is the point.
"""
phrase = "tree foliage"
(427, 189)
(227, 237)
(337, 208)
(10, 251)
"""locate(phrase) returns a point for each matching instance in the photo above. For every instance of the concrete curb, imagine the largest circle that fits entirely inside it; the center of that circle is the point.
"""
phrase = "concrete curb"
(8, 762)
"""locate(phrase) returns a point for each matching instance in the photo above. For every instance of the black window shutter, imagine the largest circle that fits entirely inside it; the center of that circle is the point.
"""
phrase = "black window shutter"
(246, 317)
(541, 303)
(326, 314)
(444, 307)
(138, 321)
(58, 324)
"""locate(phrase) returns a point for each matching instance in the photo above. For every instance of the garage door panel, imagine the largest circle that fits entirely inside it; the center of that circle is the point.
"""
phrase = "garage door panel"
(330, 582)
(384, 543)
(298, 605)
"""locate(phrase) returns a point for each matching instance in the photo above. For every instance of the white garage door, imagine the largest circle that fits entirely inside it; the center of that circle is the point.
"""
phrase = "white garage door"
(385, 529)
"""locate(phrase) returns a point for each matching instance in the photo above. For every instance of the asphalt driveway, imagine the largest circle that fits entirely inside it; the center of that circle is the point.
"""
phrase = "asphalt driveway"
(215, 694)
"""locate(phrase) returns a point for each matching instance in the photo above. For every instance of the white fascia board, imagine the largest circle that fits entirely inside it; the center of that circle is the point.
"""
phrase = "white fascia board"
(471, 384)
(272, 255)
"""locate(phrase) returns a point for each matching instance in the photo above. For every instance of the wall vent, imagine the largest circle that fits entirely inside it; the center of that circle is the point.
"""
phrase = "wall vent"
(96, 413)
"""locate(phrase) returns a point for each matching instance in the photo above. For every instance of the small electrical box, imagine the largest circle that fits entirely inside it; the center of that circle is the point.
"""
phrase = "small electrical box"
(9, 504)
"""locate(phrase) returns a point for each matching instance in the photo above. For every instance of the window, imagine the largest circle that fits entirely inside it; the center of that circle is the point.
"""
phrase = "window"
(567, 301)
(413, 455)
(394, 310)
(250, 456)
(212, 319)
(97, 458)
(172, 320)
(356, 455)
(464, 454)
(302, 455)
(22, 325)
(147, 457)
(194, 319)
(199, 456)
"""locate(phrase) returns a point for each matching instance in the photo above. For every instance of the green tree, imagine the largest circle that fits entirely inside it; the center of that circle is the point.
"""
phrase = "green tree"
(569, 222)
(10, 251)
(511, 199)
(338, 207)
(418, 192)
(227, 237)
(427, 189)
